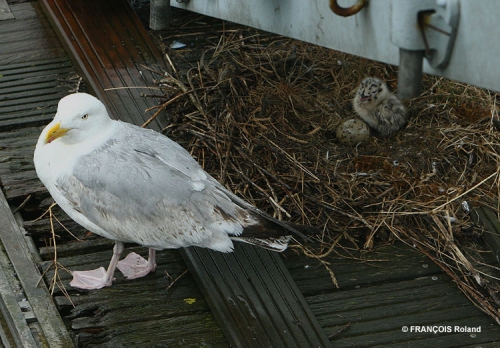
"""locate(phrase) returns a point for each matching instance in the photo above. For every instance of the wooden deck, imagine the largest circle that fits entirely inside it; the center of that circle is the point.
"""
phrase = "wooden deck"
(398, 287)
(114, 62)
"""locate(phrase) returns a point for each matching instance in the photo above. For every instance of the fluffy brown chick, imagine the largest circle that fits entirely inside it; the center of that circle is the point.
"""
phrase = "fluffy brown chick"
(378, 107)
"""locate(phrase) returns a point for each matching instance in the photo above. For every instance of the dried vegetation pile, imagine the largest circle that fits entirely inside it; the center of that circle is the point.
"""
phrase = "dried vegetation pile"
(259, 112)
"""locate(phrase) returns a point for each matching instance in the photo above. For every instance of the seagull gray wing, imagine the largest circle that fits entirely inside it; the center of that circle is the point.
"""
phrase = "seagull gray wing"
(142, 187)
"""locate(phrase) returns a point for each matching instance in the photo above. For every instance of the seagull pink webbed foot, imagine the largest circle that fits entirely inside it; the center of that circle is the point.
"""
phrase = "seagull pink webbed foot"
(135, 266)
(98, 278)
(90, 280)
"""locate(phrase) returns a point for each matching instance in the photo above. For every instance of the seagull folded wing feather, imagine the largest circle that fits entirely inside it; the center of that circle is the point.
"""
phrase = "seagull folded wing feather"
(138, 196)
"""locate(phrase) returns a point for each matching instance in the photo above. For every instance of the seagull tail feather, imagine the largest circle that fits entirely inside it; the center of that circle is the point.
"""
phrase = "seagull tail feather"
(274, 244)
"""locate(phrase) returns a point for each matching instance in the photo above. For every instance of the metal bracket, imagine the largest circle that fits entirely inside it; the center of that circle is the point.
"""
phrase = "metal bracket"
(426, 25)
(347, 11)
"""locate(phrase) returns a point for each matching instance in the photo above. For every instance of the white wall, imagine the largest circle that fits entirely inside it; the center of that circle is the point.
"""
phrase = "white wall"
(475, 58)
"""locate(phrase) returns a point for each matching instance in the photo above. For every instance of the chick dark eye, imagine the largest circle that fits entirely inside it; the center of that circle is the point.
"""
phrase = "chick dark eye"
(84, 117)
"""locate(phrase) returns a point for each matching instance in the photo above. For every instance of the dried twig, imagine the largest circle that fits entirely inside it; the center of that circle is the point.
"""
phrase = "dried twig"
(56, 279)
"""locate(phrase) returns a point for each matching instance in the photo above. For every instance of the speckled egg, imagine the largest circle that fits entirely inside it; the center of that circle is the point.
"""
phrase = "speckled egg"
(352, 132)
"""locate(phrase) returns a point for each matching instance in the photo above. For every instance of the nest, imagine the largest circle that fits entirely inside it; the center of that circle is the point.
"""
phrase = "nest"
(259, 113)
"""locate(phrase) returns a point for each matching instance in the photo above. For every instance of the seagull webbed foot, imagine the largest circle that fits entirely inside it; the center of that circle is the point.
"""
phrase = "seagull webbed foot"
(98, 278)
(91, 280)
(135, 266)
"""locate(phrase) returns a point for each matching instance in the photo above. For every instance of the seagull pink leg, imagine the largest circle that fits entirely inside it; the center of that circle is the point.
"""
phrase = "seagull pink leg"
(135, 266)
(98, 278)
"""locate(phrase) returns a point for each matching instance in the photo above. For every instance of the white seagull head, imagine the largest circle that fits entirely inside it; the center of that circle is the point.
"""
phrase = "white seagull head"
(79, 117)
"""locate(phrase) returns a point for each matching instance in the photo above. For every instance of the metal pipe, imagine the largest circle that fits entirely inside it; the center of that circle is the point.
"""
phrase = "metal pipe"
(160, 15)
(410, 73)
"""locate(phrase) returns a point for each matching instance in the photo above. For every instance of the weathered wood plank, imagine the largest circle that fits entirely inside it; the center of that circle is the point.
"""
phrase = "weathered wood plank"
(29, 96)
(38, 230)
(32, 68)
(19, 139)
(14, 42)
(373, 303)
(18, 189)
(28, 55)
(19, 330)
(31, 85)
(104, 61)
(179, 331)
(5, 12)
(30, 99)
(21, 45)
(148, 287)
(374, 300)
(137, 311)
(251, 281)
(29, 118)
(23, 10)
(29, 93)
(483, 345)
(380, 266)
(37, 294)
(489, 220)
(17, 175)
(23, 91)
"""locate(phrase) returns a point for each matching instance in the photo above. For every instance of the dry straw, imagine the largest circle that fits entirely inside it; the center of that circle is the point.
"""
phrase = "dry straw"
(259, 113)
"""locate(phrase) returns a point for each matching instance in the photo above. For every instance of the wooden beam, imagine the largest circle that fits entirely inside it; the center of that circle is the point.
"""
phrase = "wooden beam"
(17, 248)
(488, 219)
(254, 298)
(13, 317)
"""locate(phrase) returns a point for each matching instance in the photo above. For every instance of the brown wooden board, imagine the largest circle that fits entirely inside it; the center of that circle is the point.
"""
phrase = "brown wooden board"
(29, 93)
(394, 287)
(39, 42)
(108, 43)
(17, 246)
(252, 289)
(488, 219)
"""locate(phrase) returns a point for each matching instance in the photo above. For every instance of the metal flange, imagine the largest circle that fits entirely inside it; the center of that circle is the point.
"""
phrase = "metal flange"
(426, 25)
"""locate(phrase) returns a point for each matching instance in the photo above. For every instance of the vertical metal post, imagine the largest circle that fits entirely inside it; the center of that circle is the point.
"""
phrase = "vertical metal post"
(160, 15)
(409, 73)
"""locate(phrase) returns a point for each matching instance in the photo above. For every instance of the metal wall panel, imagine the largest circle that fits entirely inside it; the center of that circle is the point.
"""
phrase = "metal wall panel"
(475, 58)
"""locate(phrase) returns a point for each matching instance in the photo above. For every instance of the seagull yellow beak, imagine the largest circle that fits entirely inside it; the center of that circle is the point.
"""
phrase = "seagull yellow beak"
(55, 132)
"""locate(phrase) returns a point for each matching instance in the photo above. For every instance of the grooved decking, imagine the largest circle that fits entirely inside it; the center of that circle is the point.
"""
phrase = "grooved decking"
(108, 45)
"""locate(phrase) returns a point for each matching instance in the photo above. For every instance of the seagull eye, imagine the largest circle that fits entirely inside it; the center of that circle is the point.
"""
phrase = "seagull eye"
(84, 117)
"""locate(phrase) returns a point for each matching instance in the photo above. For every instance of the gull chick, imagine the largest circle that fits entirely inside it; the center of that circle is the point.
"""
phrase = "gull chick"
(135, 185)
(378, 107)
